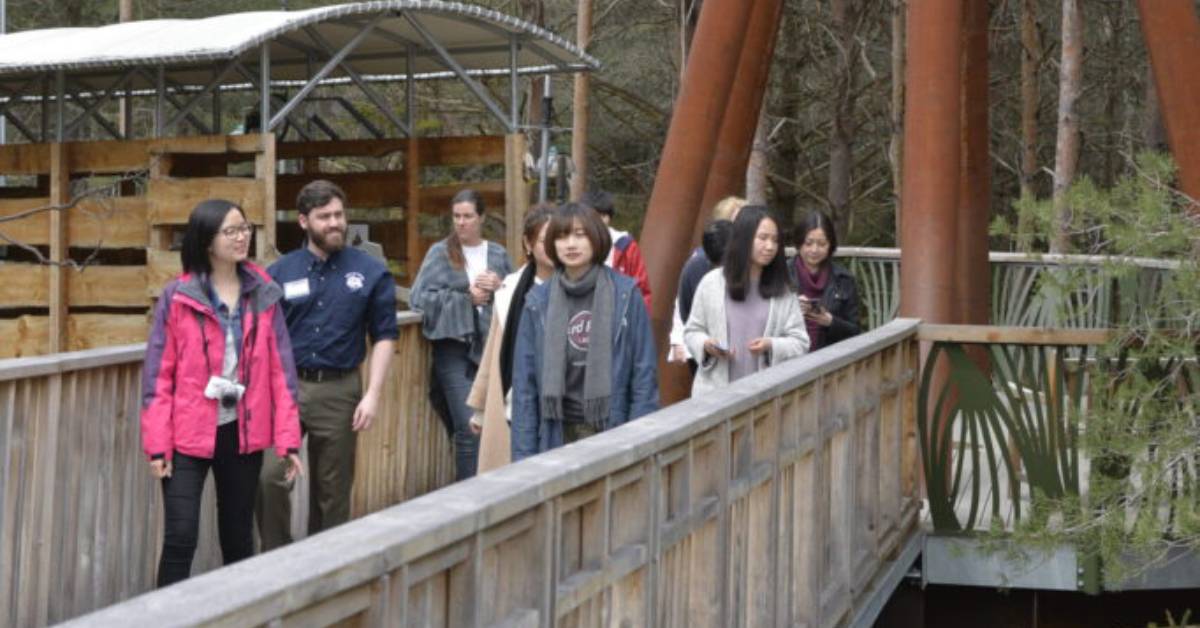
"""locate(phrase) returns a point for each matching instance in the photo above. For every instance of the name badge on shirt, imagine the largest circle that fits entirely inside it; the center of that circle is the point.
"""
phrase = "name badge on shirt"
(296, 289)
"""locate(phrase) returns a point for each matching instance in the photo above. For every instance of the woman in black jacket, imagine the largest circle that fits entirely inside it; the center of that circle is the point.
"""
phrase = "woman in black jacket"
(828, 293)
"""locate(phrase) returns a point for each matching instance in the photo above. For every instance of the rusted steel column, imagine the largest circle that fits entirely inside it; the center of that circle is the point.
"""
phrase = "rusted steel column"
(727, 176)
(688, 152)
(973, 276)
(1172, 32)
(932, 153)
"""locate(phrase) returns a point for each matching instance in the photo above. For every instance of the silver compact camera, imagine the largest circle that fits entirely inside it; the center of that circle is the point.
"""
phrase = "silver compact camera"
(227, 391)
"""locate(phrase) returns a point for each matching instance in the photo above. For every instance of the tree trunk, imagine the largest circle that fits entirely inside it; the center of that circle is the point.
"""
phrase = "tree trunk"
(1031, 55)
(895, 146)
(1066, 152)
(757, 168)
(1154, 132)
(841, 158)
(581, 109)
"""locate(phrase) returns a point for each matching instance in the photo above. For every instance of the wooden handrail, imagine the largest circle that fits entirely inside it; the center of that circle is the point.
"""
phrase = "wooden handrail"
(37, 366)
(761, 475)
(1005, 257)
(988, 334)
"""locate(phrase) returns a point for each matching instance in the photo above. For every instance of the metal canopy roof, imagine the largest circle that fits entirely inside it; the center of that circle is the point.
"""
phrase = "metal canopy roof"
(479, 40)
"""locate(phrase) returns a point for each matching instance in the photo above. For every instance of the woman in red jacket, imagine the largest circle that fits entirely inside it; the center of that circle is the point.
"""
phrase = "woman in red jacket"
(218, 387)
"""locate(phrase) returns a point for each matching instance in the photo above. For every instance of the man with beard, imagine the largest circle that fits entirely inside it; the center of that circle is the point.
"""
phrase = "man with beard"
(334, 297)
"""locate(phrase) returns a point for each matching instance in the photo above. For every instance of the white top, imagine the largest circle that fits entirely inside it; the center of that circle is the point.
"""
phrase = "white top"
(476, 257)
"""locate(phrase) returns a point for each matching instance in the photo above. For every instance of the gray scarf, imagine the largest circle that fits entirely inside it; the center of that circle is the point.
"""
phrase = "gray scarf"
(597, 382)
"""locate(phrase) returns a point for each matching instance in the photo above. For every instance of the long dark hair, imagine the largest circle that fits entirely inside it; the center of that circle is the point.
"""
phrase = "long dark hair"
(202, 228)
(774, 281)
(817, 219)
(534, 221)
(453, 245)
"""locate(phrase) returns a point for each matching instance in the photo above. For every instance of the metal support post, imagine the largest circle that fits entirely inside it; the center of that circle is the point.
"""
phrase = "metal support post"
(544, 160)
(687, 153)
(60, 99)
(932, 153)
(514, 82)
(1171, 29)
(410, 90)
(727, 174)
(264, 85)
(160, 95)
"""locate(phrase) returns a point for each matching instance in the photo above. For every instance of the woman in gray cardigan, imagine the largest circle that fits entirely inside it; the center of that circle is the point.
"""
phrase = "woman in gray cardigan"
(745, 316)
(453, 291)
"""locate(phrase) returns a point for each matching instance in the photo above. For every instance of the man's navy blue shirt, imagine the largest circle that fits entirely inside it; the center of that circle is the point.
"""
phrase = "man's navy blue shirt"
(331, 305)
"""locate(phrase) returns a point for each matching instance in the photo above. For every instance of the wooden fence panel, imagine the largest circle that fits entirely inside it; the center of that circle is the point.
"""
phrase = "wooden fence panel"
(733, 509)
(81, 526)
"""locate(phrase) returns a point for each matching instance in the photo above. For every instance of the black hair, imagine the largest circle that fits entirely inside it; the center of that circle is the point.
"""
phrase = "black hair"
(715, 240)
(817, 219)
(202, 228)
(318, 193)
(599, 200)
(564, 221)
(534, 221)
(775, 280)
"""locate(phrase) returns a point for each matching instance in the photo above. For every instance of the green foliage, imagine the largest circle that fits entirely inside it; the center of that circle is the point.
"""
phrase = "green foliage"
(1141, 431)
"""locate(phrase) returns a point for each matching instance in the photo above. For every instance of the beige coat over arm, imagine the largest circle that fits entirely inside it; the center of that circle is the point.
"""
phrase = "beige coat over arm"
(486, 397)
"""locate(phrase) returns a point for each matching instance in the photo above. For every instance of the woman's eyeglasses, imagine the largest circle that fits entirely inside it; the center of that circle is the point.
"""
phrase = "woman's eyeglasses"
(246, 230)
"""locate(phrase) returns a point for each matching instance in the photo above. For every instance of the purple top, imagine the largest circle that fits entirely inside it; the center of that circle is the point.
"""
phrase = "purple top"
(745, 321)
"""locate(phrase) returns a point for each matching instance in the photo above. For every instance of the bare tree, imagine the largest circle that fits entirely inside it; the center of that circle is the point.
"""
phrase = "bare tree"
(1066, 153)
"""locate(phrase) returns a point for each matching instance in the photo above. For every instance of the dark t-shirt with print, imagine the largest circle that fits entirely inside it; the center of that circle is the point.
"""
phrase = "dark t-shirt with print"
(579, 330)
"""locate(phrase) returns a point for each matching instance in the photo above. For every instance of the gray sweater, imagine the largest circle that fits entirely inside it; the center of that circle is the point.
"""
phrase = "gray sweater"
(785, 328)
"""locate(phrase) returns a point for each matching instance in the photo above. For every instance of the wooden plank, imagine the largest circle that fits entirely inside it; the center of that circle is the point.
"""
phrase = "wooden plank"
(438, 151)
(462, 151)
(987, 334)
(516, 194)
(412, 206)
(111, 222)
(161, 267)
(24, 336)
(264, 172)
(172, 200)
(24, 159)
(33, 229)
(341, 148)
(108, 286)
(24, 285)
(364, 190)
(60, 193)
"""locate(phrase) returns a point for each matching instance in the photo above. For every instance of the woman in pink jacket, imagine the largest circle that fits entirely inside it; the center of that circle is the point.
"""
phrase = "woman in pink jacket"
(218, 387)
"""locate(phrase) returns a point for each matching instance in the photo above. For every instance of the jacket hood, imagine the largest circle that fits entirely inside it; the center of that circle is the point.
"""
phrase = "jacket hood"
(256, 284)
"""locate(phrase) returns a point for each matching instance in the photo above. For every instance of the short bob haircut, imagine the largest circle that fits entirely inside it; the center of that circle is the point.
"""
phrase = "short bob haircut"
(563, 223)
(202, 228)
(775, 280)
(318, 193)
(817, 219)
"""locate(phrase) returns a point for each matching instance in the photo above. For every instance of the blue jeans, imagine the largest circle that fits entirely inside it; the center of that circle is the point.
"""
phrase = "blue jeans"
(455, 372)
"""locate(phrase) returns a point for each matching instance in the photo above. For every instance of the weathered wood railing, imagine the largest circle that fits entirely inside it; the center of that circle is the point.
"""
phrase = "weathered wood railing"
(81, 526)
(775, 502)
(1094, 295)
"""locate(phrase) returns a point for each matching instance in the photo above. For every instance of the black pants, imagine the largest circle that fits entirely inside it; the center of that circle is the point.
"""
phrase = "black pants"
(236, 476)
(455, 372)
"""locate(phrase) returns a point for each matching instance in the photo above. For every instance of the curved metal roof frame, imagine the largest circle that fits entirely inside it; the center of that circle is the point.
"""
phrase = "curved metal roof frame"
(361, 43)
(184, 42)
